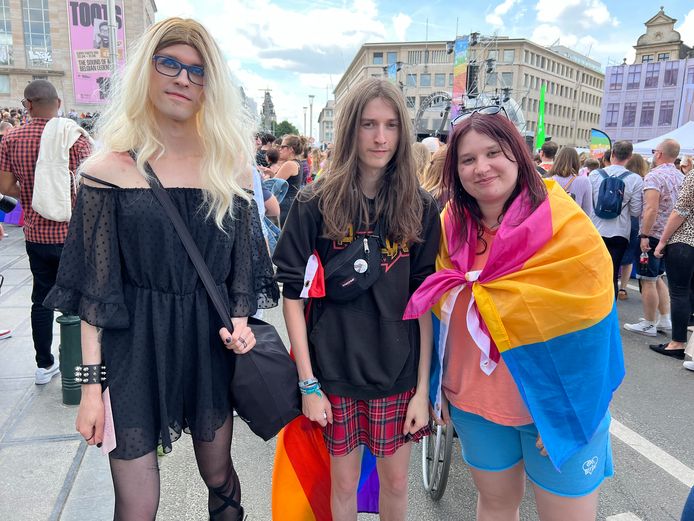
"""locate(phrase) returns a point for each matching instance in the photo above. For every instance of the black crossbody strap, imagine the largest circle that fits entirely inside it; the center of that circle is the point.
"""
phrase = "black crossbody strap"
(189, 244)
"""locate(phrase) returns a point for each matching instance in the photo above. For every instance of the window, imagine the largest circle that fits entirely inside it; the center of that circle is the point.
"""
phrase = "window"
(440, 80)
(616, 78)
(690, 76)
(506, 79)
(647, 111)
(37, 33)
(411, 101)
(629, 116)
(665, 116)
(425, 80)
(663, 56)
(6, 51)
(4, 84)
(378, 58)
(634, 77)
(612, 114)
(493, 54)
(450, 80)
(392, 57)
(411, 80)
(646, 58)
(652, 73)
(508, 55)
(671, 70)
(491, 79)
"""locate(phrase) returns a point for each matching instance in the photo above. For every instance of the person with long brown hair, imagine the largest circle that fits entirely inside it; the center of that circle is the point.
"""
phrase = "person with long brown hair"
(364, 371)
(565, 172)
(291, 151)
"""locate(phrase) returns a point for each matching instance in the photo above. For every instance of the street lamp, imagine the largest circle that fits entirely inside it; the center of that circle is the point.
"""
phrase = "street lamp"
(310, 115)
(305, 120)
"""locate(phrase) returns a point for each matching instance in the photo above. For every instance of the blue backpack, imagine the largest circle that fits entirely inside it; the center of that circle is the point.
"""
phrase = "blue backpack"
(610, 195)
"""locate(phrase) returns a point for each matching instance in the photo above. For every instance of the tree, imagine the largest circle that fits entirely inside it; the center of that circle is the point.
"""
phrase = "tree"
(284, 127)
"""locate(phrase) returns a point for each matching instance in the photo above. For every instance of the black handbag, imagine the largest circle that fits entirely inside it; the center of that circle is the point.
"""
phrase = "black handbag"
(355, 269)
(264, 386)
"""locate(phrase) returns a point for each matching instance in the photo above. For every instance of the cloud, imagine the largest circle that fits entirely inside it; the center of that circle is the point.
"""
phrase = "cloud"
(401, 22)
(568, 14)
(494, 18)
(686, 28)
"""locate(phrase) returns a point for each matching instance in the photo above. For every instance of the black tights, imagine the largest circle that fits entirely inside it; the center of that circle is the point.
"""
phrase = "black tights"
(136, 482)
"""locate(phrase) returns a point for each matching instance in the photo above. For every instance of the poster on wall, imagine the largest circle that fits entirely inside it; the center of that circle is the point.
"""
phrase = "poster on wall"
(89, 42)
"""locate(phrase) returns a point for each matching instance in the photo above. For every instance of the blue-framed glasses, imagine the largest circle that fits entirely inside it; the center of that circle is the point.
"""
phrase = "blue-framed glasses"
(489, 110)
(171, 67)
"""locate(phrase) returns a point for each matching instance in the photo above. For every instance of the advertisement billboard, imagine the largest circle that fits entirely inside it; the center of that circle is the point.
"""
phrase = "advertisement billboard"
(89, 49)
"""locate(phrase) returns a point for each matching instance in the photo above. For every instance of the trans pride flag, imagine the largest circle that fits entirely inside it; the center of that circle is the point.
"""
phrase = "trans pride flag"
(545, 303)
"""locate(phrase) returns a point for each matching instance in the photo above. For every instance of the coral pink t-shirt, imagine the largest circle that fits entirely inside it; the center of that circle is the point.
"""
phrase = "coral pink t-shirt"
(467, 387)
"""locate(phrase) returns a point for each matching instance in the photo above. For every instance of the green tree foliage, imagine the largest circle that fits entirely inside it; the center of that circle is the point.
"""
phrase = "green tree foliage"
(284, 127)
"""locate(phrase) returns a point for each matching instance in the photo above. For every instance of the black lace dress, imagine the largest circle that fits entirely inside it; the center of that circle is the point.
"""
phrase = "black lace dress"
(124, 270)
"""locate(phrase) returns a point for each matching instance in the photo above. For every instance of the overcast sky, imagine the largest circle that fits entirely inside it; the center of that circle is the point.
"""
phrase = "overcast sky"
(297, 48)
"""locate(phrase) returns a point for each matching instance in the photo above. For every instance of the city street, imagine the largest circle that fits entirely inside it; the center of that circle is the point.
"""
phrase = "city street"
(48, 473)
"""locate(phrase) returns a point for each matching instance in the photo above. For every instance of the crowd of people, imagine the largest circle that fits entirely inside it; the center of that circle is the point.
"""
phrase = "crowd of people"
(435, 311)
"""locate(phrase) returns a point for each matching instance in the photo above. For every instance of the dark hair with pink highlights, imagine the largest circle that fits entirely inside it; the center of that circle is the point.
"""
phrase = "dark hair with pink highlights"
(503, 131)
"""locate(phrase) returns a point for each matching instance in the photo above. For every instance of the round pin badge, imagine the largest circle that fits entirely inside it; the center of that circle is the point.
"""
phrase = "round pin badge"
(360, 265)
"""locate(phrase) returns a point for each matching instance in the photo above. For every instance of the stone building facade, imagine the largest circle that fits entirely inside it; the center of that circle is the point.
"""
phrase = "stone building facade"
(517, 69)
(35, 44)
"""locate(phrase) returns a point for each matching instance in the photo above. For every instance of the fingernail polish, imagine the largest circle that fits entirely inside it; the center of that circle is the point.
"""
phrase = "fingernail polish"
(227, 340)
(98, 445)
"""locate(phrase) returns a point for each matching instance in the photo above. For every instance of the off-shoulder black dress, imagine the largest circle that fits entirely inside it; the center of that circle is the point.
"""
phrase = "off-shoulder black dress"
(125, 270)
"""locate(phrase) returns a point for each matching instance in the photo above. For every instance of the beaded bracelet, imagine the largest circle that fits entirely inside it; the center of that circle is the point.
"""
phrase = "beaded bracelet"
(90, 374)
(311, 386)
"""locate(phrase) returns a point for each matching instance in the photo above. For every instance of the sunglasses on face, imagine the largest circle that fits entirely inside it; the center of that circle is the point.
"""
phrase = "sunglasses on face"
(284, 146)
(489, 111)
(168, 66)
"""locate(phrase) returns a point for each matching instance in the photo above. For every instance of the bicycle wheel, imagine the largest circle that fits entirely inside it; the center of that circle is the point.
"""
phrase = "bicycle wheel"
(436, 459)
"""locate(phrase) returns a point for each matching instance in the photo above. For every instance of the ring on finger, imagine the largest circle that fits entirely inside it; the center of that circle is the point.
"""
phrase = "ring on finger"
(243, 342)
(90, 437)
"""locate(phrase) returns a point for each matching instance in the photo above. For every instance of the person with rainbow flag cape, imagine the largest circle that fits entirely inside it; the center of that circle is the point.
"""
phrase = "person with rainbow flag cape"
(363, 370)
(527, 351)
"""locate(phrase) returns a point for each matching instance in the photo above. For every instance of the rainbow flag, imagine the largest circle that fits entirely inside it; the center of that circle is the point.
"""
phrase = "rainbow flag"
(599, 143)
(545, 303)
(301, 476)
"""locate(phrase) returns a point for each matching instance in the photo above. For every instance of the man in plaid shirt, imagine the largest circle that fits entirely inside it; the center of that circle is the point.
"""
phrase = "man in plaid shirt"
(19, 152)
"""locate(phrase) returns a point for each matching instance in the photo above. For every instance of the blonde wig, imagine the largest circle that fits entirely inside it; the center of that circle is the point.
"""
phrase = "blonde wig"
(223, 125)
(398, 203)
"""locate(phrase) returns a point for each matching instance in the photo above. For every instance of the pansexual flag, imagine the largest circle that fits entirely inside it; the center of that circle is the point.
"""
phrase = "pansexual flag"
(545, 303)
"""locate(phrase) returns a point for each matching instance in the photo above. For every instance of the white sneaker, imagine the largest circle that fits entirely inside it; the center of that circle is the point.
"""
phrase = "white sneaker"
(642, 328)
(44, 375)
(689, 364)
(664, 325)
(5, 333)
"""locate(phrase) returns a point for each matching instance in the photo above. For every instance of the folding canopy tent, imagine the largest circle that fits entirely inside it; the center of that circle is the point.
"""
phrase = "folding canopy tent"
(684, 135)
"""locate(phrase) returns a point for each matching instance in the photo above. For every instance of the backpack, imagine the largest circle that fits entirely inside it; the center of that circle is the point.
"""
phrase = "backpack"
(610, 195)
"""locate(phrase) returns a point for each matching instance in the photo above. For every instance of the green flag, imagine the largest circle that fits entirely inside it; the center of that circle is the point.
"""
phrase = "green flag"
(540, 135)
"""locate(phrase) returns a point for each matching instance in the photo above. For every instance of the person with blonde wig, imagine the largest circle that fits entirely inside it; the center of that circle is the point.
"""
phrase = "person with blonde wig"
(175, 119)
(365, 370)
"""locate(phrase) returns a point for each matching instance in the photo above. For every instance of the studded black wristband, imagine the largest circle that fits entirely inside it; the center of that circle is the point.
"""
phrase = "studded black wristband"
(90, 374)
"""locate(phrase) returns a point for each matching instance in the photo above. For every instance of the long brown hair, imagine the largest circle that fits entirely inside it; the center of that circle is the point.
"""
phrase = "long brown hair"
(398, 203)
(501, 130)
(566, 164)
(432, 180)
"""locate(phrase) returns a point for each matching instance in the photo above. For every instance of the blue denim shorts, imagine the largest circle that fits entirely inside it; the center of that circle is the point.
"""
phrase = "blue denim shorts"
(492, 447)
(655, 267)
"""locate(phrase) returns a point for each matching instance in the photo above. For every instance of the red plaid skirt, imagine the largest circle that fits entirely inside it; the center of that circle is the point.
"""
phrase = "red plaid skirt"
(375, 423)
